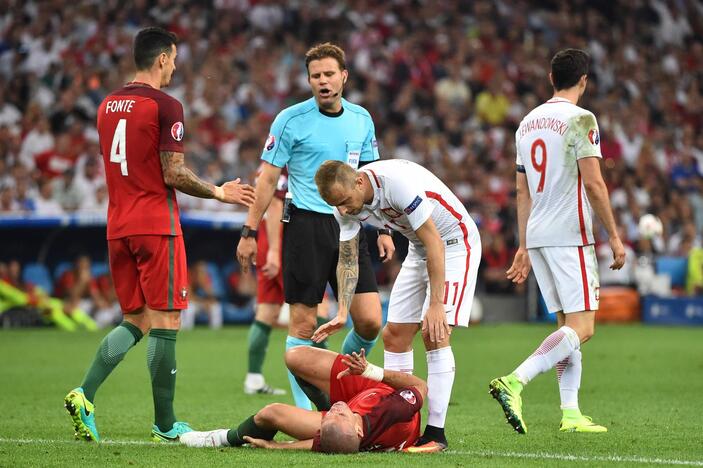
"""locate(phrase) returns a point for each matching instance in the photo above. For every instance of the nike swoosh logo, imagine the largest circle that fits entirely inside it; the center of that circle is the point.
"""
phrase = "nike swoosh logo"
(173, 371)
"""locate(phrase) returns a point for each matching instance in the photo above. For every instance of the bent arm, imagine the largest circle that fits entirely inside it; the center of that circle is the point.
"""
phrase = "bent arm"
(434, 246)
(598, 193)
(265, 188)
(179, 177)
(399, 380)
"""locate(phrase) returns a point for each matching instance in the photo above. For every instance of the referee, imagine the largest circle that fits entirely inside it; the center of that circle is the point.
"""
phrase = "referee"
(302, 137)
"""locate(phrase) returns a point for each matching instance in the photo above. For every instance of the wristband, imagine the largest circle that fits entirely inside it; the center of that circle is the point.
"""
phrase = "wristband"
(373, 372)
(385, 232)
(219, 192)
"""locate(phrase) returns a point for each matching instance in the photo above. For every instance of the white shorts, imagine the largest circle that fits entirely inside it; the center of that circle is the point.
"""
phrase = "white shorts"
(567, 277)
(411, 291)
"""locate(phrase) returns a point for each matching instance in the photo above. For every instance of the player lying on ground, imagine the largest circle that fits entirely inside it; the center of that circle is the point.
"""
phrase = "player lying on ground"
(372, 409)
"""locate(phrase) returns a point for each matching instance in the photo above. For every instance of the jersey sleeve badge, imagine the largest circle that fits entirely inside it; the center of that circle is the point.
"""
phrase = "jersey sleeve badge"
(177, 131)
(270, 143)
(413, 206)
(409, 396)
(594, 136)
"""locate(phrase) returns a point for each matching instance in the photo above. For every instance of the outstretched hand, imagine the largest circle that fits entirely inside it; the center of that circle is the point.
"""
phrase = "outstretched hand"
(329, 328)
(235, 193)
(356, 364)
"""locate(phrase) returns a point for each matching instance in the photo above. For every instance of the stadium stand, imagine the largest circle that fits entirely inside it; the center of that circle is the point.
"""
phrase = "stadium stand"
(446, 83)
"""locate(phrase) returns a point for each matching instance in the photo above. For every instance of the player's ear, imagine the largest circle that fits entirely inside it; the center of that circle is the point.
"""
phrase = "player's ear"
(359, 431)
(345, 75)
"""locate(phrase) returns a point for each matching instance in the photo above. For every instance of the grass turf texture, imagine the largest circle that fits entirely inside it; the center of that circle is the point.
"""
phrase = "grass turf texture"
(645, 384)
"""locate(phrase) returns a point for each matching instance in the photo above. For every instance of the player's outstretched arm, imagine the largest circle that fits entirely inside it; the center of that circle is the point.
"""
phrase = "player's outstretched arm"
(597, 193)
(178, 176)
(272, 444)
(347, 277)
(358, 365)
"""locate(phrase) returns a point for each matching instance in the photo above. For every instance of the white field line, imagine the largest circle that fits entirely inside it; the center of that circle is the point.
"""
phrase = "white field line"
(475, 453)
(583, 458)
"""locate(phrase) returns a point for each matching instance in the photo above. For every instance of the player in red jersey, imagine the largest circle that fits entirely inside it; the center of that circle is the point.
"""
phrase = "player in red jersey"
(141, 139)
(372, 409)
(269, 290)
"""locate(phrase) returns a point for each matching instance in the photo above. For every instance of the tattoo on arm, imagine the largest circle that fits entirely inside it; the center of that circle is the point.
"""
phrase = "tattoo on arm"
(178, 176)
(347, 271)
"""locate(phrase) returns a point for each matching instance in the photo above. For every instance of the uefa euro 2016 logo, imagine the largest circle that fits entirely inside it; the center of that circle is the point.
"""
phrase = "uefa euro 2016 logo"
(177, 131)
(594, 136)
(270, 143)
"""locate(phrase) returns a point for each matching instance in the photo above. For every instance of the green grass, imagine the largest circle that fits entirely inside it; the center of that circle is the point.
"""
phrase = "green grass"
(644, 383)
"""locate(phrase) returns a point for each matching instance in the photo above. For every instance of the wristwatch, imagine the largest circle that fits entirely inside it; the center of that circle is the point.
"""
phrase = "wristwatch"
(386, 232)
(247, 232)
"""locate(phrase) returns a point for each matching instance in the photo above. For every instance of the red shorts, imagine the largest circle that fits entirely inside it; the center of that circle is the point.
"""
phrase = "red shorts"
(151, 270)
(268, 291)
(349, 386)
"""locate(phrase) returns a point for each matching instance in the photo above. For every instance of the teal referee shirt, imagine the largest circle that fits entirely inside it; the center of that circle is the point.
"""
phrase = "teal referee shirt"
(302, 137)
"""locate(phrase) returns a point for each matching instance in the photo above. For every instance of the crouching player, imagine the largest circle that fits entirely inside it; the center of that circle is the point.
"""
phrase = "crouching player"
(372, 409)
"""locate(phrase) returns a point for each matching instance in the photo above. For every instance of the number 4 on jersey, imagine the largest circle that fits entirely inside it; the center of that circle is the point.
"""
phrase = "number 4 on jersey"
(118, 151)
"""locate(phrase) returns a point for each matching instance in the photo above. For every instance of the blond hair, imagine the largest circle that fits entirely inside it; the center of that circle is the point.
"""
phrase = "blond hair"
(333, 172)
(325, 50)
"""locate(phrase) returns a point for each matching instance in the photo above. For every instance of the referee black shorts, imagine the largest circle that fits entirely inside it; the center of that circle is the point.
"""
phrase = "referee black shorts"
(310, 254)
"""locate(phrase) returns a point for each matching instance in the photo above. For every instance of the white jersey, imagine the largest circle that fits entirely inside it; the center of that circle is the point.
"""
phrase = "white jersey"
(549, 141)
(405, 196)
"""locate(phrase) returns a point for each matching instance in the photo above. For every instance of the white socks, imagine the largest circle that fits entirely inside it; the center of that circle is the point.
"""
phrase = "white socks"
(440, 379)
(569, 377)
(401, 362)
(254, 381)
(556, 347)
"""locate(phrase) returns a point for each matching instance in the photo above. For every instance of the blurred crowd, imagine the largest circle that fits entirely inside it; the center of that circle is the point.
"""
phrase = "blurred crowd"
(446, 82)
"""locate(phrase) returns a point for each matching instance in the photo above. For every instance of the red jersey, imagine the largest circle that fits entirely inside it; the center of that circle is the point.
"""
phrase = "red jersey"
(391, 417)
(135, 123)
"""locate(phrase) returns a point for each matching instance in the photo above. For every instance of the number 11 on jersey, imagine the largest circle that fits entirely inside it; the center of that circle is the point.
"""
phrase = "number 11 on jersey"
(118, 151)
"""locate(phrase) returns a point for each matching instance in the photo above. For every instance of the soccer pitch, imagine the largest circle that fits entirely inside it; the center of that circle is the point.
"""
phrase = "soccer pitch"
(644, 383)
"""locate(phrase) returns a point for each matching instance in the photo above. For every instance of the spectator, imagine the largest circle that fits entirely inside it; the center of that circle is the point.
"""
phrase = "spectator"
(79, 289)
(202, 298)
(45, 204)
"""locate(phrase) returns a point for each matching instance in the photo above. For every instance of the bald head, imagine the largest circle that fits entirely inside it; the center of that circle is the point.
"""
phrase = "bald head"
(339, 436)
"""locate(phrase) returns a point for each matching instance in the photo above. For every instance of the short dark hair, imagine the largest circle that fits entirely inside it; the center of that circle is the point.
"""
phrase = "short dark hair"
(568, 66)
(325, 50)
(149, 43)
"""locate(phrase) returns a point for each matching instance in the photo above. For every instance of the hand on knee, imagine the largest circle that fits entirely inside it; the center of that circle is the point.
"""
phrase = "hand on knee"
(432, 345)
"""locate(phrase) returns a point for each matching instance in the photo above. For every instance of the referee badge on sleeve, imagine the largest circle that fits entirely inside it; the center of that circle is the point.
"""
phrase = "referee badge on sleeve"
(270, 143)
